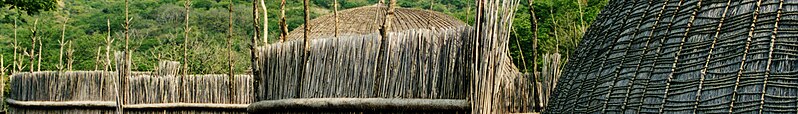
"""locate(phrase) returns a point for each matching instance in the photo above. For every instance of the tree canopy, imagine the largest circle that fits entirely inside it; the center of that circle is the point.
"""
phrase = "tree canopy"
(157, 28)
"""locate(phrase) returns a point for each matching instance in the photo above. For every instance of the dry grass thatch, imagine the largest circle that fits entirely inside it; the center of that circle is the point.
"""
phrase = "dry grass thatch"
(730, 56)
(367, 20)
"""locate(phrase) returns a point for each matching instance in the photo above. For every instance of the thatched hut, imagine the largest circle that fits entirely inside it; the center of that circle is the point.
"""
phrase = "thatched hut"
(367, 20)
(693, 56)
(433, 63)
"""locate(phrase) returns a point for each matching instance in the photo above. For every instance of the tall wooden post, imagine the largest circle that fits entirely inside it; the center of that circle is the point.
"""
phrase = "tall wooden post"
(283, 25)
(538, 104)
(382, 58)
(253, 49)
(69, 55)
(16, 62)
(2, 70)
(62, 43)
(230, 60)
(108, 42)
(306, 50)
(39, 54)
(265, 23)
(123, 65)
(185, 39)
(335, 14)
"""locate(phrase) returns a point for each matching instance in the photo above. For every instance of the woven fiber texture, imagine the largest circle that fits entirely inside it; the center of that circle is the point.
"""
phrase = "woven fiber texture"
(685, 56)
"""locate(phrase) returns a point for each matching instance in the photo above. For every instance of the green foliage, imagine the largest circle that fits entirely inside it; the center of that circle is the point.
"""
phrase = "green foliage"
(572, 18)
(30, 6)
(157, 28)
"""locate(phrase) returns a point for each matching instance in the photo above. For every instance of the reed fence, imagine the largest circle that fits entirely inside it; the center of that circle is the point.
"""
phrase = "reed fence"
(422, 64)
(444, 63)
(96, 91)
(724, 56)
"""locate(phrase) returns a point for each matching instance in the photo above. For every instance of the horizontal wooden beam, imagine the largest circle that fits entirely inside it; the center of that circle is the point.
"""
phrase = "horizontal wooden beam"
(88, 104)
(359, 104)
(187, 105)
(111, 104)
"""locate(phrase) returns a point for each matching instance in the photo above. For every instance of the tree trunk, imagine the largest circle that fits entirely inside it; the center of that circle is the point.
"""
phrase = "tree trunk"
(538, 104)
(61, 43)
(230, 61)
(32, 53)
(185, 39)
(283, 25)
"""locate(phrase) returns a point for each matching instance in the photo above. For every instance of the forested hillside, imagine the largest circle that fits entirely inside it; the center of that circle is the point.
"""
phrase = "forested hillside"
(157, 27)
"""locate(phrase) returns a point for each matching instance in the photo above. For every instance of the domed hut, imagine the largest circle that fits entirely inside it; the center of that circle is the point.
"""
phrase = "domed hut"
(429, 64)
(730, 56)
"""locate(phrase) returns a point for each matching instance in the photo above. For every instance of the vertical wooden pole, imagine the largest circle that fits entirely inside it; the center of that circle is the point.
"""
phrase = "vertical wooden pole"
(16, 62)
(61, 43)
(32, 53)
(283, 25)
(2, 82)
(265, 23)
(335, 14)
(70, 52)
(230, 60)
(253, 50)
(305, 52)
(39, 54)
(2, 71)
(382, 58)
(186, 43)
(97, 60)
(554, 28)
(123, 68)
(538, 105)
(186, 39)
(108, 42)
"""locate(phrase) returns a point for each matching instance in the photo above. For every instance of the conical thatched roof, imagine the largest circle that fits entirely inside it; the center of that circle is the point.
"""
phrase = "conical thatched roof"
(689, 56)
(368, 19)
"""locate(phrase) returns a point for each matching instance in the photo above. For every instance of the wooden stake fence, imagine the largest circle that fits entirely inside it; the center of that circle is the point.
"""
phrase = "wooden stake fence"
(94, 92)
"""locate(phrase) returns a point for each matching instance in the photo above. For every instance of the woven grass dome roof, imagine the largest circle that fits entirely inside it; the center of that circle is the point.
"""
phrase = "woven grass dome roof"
(368, 19)
(692, 56)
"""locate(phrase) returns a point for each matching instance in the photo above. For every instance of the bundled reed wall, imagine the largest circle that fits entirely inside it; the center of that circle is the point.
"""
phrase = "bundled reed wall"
(422, 64)
(496, 84)
(693, 56)
(145, 93)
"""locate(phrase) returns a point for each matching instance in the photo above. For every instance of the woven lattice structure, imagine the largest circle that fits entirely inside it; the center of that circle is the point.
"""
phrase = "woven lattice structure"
(685, 56)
